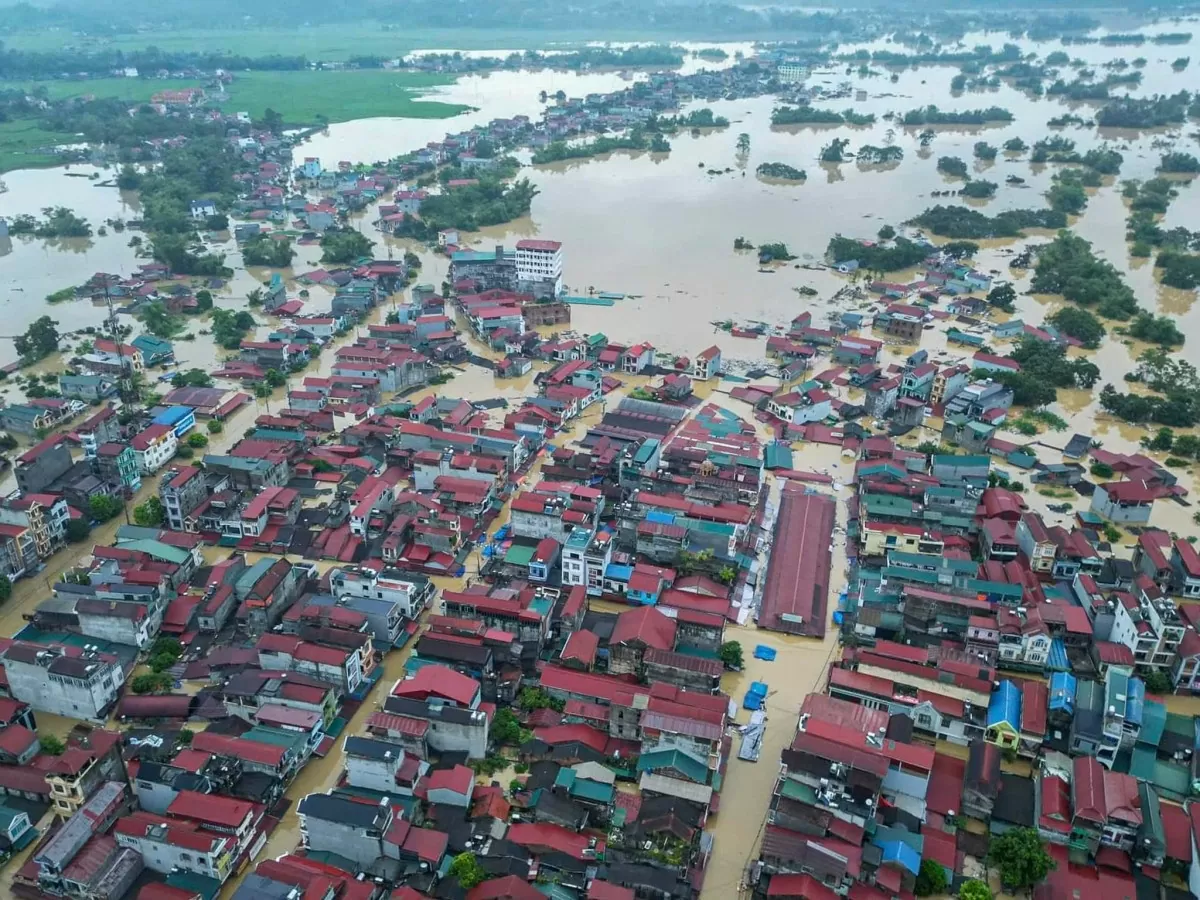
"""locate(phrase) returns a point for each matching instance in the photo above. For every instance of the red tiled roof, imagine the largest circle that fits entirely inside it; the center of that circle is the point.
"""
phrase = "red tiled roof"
(212, 809)
(799, 887)
(427, 845)
(1035, 697)
(239, 748)
(550, 837)
(531, 244)
(391, 722)
(798, 574)
(567, 734)
(438, 681)
(1113, 654)
(944, 794)
(1087, 788)
(1178, 828)
(16, 739)
(581, 646)
(645, 625)
(458, 779)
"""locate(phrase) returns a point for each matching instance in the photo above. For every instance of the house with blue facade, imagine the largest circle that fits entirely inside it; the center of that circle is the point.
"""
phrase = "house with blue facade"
(1009, 330)
(181, 419)
(1061, 703)
(647, 583)
(1004, 717)
(543, 560)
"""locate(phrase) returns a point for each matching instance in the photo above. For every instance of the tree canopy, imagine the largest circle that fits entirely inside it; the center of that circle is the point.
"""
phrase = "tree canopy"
(1068, 266)
(1021, 857)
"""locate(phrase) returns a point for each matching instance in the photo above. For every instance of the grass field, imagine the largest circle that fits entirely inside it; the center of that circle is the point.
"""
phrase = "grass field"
(19, 141)
(338, 42)
(339, 96)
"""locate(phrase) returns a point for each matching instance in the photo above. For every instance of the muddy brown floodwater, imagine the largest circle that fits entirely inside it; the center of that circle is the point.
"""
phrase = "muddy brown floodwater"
(660, 229)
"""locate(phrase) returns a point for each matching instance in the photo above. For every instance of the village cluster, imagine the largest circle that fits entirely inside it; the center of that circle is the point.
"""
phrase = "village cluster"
(502, 631)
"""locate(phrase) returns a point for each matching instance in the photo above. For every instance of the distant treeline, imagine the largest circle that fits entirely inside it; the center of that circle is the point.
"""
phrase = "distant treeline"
(17, 64)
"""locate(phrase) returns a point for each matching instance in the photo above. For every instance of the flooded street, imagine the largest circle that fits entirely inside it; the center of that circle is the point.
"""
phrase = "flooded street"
(659, 228)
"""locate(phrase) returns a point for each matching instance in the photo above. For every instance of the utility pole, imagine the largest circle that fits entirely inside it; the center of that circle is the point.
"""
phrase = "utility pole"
(126, 390)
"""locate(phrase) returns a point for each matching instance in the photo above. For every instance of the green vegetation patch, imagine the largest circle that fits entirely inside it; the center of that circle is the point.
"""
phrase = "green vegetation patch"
(305, 97)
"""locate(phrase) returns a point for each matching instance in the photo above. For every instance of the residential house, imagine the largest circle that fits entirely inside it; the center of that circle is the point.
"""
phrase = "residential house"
(154, 446)
(63, 681)
(86, 387)
(1124, 502)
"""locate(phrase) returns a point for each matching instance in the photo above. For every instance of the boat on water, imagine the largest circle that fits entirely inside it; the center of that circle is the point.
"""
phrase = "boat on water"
(752, 739)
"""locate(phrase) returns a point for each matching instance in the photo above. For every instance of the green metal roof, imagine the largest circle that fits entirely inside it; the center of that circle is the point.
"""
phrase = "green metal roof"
(947, 459)
(277, 737)
(159, 550)
(645, 452)
(586, 789)
(191, 881)
(1154, 722)
(777, 456)
(519, 555)
(1171, 780)
(677, 759)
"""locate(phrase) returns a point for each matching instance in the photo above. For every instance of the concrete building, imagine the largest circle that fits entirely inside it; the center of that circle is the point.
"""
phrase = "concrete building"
(118, 464)
(38, 467)
(387, 615)
(585, 558)
(407, 593)
(1150, 626)
(1124, 502)
(539, 266)
(154, 447)
(169, 846)
(348, 828)
(86, 387)
(380, 765)
(181, 491)
(80, 686)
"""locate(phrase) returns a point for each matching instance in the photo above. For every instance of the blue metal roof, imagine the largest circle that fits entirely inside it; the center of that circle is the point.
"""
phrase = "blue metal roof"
(1005, 706)
(1135, 701)
(172, 415)
(618, 572)
(900, 853)
(1057, 661)
(1062, 692)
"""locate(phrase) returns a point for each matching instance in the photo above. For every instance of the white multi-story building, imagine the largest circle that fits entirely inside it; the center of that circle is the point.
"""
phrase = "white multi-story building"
(540, 261)
(48, 679)
(585, 558)
(1149, 625)
(155, 447)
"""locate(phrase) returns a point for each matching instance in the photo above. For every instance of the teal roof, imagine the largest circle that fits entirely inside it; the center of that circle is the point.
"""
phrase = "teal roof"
(277, 737)
(687, 765)
(1171, 780)
(250, 577)
(159, 550)
(586, 789)
(206, 887)
(277, 434)
(150, 344)
(971, 462)
(645, 452)
(777, 456)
